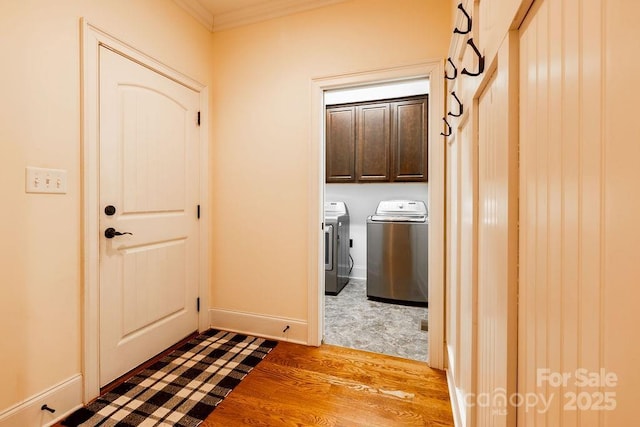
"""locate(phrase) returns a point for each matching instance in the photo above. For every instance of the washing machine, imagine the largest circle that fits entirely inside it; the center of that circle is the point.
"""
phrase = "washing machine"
(336, 247)
(397, 248)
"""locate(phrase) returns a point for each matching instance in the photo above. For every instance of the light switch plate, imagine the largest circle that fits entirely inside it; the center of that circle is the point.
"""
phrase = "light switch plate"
(40, 180)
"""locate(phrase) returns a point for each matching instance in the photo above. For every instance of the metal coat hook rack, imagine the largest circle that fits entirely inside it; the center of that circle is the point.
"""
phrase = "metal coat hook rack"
(455, 70)
(449, 130)
(469, 23)
(480, 61)
(460, 106)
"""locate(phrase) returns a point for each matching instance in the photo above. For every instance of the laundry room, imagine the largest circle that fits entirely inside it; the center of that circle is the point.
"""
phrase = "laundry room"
(376, 195)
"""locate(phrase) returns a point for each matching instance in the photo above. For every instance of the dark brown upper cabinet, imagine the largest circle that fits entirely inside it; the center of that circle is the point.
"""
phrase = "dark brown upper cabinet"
(341, 144)
(409, 140)
(373, 138)
(383, 141)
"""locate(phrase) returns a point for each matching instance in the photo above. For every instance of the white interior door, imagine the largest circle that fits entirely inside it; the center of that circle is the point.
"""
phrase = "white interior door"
(149, 175)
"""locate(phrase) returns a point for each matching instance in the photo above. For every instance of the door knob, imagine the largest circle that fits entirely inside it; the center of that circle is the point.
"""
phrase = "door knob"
(111, 232)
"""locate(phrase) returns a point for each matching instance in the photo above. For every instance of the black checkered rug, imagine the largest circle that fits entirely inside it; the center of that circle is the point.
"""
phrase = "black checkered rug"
(182, 388)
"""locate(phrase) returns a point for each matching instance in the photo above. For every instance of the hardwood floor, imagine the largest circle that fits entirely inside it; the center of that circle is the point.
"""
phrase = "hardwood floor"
(297, 385)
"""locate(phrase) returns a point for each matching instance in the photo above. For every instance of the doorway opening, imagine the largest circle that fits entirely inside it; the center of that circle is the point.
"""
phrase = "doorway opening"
(434, 71)
(376, 150)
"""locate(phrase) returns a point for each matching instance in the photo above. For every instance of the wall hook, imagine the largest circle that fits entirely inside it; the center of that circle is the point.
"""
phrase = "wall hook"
(46, 408)
(455, 70)
(468, 30)
(480, 60)
(460, 106)
(449, 130)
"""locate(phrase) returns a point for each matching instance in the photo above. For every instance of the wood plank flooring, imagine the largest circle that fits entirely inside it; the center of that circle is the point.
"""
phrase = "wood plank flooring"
(297, 385)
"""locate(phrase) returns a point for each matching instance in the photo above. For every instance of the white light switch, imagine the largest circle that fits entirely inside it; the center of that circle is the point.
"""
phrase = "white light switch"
(40, 180)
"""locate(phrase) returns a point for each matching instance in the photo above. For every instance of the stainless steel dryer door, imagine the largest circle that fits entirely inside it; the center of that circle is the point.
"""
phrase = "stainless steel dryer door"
(328, 247)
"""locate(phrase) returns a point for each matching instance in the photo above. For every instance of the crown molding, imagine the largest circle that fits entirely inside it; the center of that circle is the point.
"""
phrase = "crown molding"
(265, 11)
(251, 14)
(198, 11)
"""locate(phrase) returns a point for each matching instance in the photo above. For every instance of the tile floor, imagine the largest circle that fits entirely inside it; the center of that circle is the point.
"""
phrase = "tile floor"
(352, 320)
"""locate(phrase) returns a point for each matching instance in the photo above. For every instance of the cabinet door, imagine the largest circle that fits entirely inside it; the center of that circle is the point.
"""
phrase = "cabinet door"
(409, 140)
(373, 141)
(341, 144)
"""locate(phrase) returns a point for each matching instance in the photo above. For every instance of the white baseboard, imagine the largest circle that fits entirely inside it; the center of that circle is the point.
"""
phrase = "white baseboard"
(453, 397)
(259, 325)
(358, 272)
(64, 397)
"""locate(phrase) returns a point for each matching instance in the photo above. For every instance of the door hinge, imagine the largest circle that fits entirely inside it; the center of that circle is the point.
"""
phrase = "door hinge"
(198, 304)
(198, 211)
(198, 118)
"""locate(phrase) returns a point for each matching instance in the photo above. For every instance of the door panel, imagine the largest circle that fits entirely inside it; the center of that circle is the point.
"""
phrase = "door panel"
(461, 272)
(154, 179)
(453, 251)
(409, 140)
(563, 276)
(142, 304)
(498, 239)
(467, 256)
(149, 172)
(341, 144)
(373, 139)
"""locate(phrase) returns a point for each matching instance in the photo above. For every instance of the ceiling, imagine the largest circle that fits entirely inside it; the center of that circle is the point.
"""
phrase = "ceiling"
(217, 15)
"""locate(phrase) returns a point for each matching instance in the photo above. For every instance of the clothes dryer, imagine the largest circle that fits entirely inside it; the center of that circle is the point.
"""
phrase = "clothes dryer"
(336, 247)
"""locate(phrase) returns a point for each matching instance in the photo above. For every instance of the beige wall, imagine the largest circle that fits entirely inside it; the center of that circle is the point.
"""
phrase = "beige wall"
(40, 249)
(260, 92)
(262, 109)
